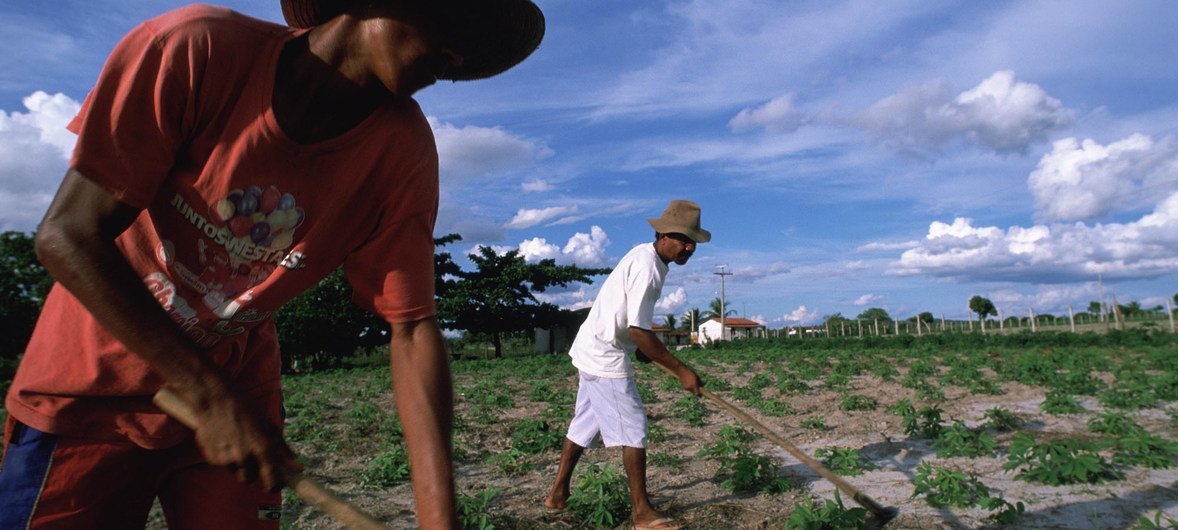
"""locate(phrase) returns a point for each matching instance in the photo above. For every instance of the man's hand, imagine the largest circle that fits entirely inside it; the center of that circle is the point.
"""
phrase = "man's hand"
(233, 434)
(689, 379)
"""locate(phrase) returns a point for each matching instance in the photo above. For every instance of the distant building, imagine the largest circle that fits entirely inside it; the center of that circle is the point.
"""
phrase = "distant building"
(671, 337)
(734, 328)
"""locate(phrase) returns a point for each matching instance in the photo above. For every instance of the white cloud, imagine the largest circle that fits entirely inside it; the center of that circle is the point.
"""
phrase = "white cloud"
(867, 299)
(572, 299)
(879, 246)
(1086, 180)
(672, 302)
(470, 152)
(536, 185)
(778, 115)
(528, 217)
(1057, 253)
(587, 250)
(34, 154)
(802, 315)
(1000, 113)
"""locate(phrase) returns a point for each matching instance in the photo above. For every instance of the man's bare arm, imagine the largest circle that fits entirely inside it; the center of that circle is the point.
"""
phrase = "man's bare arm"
(654, 348)
(425, 402)
(75, 243)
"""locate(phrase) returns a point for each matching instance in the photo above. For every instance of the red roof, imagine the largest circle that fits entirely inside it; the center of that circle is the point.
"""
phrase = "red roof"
(737, 322)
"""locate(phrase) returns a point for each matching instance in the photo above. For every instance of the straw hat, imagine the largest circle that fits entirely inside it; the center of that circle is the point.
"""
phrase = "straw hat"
(681, 217)
(491, 35)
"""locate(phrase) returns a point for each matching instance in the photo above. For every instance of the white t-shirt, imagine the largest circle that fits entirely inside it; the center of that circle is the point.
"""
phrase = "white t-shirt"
(627, 298)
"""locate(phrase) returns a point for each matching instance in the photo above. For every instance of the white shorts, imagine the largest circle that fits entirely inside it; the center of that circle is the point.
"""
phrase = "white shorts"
(609, 407)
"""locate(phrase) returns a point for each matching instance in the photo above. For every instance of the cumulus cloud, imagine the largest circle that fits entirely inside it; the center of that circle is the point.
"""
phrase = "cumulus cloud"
(471, 152)
(528, 217)
(867, 299)
(1047, 254)
(778, 115)
(572, 300)
(802, 315)
(1000, 113)
(582, 249)
(1085, 180)
(34, 154)
(671, 302)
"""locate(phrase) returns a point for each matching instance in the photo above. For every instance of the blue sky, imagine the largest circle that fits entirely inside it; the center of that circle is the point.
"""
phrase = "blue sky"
(847, 155)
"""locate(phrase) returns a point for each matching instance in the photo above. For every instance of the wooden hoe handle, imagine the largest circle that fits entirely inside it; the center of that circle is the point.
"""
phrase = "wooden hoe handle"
(307, 489)
(861, 498)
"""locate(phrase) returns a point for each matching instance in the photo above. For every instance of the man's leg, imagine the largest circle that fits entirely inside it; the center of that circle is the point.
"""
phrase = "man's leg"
(558, 496)
(634, 459)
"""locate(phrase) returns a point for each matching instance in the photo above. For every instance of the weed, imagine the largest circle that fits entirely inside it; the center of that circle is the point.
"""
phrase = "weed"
(1002, 420)
(474, 510)
(1065, 461)
(541, 391)
(760, 381)
(512, 462)
(1060, 403)
(654, 432)
(534, 436)
(601, 497)
(958, 440)
(817, 423)
(833, 515)
(689, 409)
(844, 460)
(665, 459)
(647, 394)
(853, 402)
(388, 468)
(775, 407)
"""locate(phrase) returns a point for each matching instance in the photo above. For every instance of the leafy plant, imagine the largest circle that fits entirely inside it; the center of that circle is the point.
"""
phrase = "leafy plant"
(844, 460)
(793, 386)
(388, 468)
(689, 409)
(601, 497)
(925, 423)
(1134, 395)
(729, 441)
(853, 402)
(959, 440)
(665, 459)
(1114, 423)
(751, 473)
(474, 510)
(1060, 403)
(775, 407)
(1140, 448)
(828, 515)
(817, 423)
(1145, 523)
(1002, 420)
(1064, 461)
(534, 436)
(512, 462)
(945, 487)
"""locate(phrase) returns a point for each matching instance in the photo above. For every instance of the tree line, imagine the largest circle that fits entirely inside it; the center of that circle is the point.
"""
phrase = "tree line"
(322, 326)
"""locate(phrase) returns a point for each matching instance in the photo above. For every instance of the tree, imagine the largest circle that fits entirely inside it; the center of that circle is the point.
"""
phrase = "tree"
(669, 322)
(321, 326)
(1095, 308)
(718, 307)
(497, 298)
(1131, 310)
(982, 306)
(24, 283)
(873, 314)
(689, 318)
(926, 317)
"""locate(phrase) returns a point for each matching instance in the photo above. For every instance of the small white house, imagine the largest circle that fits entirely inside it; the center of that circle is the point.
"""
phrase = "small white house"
(734, 328)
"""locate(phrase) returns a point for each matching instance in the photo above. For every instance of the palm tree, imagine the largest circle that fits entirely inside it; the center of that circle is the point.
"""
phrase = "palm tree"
(669, 322)
(691, 318)
(718, 308)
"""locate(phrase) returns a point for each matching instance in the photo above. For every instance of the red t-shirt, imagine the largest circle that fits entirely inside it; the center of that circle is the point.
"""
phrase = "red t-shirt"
(237, 219)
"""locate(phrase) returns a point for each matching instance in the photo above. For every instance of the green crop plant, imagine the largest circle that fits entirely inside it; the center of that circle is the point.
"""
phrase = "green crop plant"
(1002, 420)
(730, 439)
(715, 384)
(751, 473)
(929, 391)
(600, 498)
(1131, 395)
(1059, 462)
(985, 386)
(1060, 403)
(775, 407)
(689, 409)
(747, 394)
(474, 511)
(1145, 523)
(647, 394)
(541, 391)
(534, 436)
(1078, 383)
(512, 462)
(1142, 449)
(388, 468)
(1114, 423)
(655, 432)
(828, 515)
(844, 460)
(959, 440)
(923, 423)
(1006, 512)
(761, 380)
(817, 423)
(793, 387)
(665, 459)
(837, 382)
(900, 407)
(945, 487)
(855, 402)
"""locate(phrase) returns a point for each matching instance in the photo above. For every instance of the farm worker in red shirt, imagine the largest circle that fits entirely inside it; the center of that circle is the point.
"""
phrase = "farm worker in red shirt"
(223, 166)
(608, 406)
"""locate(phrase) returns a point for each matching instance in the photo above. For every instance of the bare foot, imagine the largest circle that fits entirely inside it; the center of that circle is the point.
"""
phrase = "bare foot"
(554, 505)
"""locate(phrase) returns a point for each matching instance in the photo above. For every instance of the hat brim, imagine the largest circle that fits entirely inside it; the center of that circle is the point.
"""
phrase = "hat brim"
(699, 235)
(491, 36)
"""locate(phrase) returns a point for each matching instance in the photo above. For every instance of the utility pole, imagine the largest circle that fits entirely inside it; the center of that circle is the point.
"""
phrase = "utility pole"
(723, 305)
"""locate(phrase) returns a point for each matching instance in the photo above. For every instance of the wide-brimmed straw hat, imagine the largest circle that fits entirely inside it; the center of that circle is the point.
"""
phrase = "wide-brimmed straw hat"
(491, 35)
(681, 217)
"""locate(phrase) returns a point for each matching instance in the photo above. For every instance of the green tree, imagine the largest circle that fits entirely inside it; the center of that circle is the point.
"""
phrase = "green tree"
(497, 298)
(1095, 308)
(718, 307)
(875, 313)
(1131, 309)
(669, 322)
(321, 326)
(24, 283)
(982, 306)
(692, 316)
(926, 317)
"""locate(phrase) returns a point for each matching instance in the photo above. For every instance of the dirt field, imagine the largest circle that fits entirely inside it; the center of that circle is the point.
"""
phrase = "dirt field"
(689, 491)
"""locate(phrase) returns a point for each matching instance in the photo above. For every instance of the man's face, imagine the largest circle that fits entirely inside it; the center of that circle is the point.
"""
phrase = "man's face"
(676, 247)
(410, 53)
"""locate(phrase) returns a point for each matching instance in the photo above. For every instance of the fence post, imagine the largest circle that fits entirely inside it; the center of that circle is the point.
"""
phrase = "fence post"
(1170, 313)
(1072, 319)
(1032, 312)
